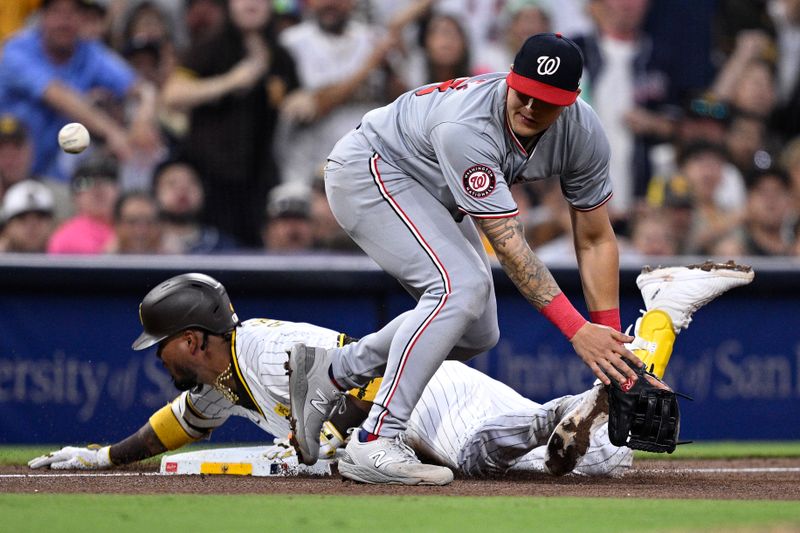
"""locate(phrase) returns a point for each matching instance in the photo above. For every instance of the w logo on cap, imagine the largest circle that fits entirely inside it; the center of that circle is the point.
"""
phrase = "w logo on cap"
(548, 65)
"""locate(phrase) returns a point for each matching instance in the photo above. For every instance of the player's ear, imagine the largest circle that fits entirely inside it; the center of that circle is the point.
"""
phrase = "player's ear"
(191, 339)
(578, 92)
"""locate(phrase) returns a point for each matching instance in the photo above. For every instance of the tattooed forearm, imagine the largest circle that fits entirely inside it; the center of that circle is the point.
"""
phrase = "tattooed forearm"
(141, 445)
(528, 273)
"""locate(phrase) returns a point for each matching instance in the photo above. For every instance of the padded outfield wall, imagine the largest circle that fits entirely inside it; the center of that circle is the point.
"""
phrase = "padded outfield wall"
(67, 373)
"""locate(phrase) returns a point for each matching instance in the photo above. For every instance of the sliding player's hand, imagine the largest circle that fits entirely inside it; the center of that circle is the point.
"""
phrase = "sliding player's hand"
(92, 457)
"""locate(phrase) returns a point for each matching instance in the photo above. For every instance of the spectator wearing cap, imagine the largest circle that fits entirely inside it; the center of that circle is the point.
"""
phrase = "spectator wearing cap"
(16, 161)
(16, 152)
(181, 200)
(629, 88)
(94, 192)
(27, 214)
(673, 199)
(767, 229)
(46, 73)
(232, 87)
(288, 225)
(137, 228)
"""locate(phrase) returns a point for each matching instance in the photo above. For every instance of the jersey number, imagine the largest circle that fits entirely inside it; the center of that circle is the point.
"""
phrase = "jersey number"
(456, 83)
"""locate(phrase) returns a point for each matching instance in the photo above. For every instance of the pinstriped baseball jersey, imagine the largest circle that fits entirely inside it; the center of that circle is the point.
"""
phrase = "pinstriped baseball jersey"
(259, 353)
(456, 401)
(415, 133)
(469, 421)
(458, 409)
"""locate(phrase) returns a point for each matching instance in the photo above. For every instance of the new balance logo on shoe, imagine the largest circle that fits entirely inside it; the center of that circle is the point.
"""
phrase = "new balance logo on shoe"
(389, 460)
(379, 458)
(320, 403)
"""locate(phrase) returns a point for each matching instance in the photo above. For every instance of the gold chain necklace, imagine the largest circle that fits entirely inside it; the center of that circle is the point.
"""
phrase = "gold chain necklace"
(224, 389)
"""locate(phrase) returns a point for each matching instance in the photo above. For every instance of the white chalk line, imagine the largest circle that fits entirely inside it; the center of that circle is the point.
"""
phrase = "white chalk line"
(744, 470)
(82, 474)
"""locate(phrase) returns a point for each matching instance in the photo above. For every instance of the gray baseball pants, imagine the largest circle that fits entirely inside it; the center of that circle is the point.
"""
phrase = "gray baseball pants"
(439, 261)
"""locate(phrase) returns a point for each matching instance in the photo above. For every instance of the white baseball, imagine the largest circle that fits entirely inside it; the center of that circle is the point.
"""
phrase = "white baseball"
(73, 138)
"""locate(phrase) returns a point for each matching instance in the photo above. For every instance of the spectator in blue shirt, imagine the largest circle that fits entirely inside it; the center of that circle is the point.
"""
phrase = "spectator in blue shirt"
(46, 75)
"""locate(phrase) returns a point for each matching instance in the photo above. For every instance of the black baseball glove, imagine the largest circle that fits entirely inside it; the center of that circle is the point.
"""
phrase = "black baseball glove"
(644, 414)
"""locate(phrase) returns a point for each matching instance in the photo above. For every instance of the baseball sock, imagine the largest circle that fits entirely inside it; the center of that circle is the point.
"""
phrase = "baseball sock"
(655, 329)
(366, 436)
(333, 380)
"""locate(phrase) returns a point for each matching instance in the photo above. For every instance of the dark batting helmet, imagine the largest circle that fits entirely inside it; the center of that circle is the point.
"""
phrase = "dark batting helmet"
(183, 302)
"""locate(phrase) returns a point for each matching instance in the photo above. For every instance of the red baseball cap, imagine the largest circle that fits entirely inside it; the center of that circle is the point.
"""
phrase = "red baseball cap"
(548, 67)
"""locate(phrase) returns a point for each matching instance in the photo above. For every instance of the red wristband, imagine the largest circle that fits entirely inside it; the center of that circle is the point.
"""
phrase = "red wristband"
(564, 316)
(607, 317)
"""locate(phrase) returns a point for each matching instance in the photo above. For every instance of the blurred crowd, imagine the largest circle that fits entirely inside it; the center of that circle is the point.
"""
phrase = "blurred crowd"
(211, 119)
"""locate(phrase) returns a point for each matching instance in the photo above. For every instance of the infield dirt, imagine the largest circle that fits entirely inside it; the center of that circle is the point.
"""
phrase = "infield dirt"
(767, 479)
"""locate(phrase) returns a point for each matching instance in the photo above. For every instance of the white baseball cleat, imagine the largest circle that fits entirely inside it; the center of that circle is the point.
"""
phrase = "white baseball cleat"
(571, 438)
(390, 461)
(312, 396)
(681, 291)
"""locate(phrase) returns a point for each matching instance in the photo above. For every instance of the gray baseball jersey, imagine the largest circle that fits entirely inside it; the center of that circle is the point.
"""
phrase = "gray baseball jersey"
(473, 175)
(461, 408)
(400, 184)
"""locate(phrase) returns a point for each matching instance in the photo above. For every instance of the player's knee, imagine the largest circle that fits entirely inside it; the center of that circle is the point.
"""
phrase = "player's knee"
(489, 338)
(472, 296)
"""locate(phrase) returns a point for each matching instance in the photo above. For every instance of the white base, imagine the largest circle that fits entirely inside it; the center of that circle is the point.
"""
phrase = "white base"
(248, 461)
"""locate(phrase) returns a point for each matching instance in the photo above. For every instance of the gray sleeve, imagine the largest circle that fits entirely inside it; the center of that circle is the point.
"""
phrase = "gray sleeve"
(470, 165)
(585, 183)
(201, 410)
